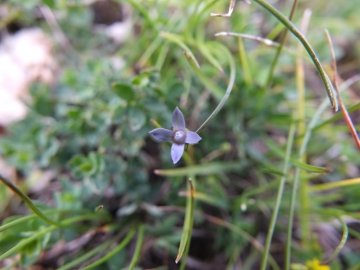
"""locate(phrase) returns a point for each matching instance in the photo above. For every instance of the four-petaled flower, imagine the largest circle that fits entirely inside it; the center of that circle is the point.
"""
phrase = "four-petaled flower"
(179, 136)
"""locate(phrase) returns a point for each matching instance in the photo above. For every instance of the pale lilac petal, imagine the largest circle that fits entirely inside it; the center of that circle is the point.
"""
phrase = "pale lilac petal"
(178, 121)
(177, 151)
(162, 134)
(192, 137)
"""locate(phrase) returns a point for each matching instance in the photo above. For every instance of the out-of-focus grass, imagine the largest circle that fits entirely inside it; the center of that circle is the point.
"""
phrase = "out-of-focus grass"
(91, 130)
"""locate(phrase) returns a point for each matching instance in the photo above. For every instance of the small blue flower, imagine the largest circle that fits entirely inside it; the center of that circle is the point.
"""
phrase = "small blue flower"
(179, 136)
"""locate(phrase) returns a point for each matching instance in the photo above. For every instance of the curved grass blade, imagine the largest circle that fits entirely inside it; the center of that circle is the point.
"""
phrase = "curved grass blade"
(215, 90)
(29, 217)
(342, 241)
(176, 39)
(28, 201)
(288, 24)
(227, 54)
(188, 224)
(140, 239)
(207, 54)
(28, 240)
(285, 170)
(276, 58)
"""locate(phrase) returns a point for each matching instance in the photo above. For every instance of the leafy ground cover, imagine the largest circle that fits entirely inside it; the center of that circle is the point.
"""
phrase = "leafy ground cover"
(273, 182)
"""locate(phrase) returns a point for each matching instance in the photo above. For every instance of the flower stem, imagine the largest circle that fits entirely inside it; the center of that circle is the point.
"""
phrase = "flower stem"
(228, 90)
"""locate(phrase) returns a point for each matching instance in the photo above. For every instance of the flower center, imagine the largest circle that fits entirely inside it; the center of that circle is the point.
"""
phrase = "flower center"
(179, 137)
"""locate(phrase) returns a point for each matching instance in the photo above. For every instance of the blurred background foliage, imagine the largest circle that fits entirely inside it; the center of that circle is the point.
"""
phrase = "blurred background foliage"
(85, 143)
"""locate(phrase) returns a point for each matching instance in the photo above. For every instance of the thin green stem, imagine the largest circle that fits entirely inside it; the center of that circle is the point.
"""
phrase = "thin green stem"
(332, 185)
(187, 229)
(306, 139)
(140, 239)
(64, 223)
(144, 13)
(303, 186)
(29, 217)
(278, 52)
(117, 249)
(289, 25)
(244, 63)
(28, 201)
(337, 116)
(342, 241)
(270, 233)
(228, 90)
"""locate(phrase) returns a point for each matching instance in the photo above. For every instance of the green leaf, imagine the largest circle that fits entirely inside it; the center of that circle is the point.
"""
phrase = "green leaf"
(188, 224)
(206, 169)
(124, 91)
(310, 168)
(137, 118)
(221, 203)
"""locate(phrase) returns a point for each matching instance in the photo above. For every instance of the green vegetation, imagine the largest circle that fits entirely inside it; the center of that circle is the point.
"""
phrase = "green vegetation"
(274, 180)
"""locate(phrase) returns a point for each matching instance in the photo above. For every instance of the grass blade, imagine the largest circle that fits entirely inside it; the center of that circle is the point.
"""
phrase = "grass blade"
(28, 240)
(228, 90)
(215, 90)
(342, 241)
(270, 233)
(307, 46)
(86, 256)
(205, 169)
(117, 249)
(178, 40)
(140, 239)
(188, 223)
(332, 185)
(310, 168)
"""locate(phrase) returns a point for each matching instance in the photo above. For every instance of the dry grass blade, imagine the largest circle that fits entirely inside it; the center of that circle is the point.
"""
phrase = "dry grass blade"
(231, 9)
(341, 103)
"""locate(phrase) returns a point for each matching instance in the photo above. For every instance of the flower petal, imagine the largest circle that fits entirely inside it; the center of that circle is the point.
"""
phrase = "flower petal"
(162, 134)
(178, 121)
(177, 151)
(192, 137)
